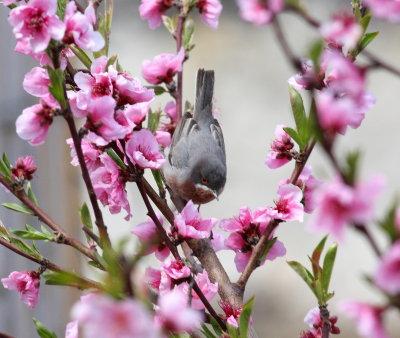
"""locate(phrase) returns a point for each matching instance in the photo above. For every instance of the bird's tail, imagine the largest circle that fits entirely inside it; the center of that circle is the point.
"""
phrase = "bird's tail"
(204, 94)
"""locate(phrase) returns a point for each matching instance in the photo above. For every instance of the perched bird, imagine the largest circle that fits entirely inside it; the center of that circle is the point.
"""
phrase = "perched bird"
(196, 166)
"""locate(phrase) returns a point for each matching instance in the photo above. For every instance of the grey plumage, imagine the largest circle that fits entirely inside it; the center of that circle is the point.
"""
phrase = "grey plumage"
(197, 152)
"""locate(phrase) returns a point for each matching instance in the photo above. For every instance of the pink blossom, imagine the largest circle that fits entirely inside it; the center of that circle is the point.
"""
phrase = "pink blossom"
(148, 233)
(109, 186)
(342, 30)
(137, 112)
(91, 154)
(217, 241)
(163, 138)
(159, 280)
(142, 150)
(210, 10)
(71, 330)
(387, 277)
(209, 290)
(101, 120)
(189, 224)
(340, 204)
(79, 28)
(26, 283)
(176, 269)
(24, 168)
(246, 230)
(174, 315)
(8, 2)
(34, 122)
(307, 78)
(153, 10)
(281, 149)
(259, 12)
(308, 184)
(37, 82)
(288, 207)
(367, 317)
(163, 67)
(344, 100)
(129, 90)
(170, 110)
(101, 316)
(36, 23)
(385, 9)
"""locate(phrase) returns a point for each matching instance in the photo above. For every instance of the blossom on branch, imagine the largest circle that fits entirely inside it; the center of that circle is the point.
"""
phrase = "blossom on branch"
(163, 67)
(259, 12)
(210, 10)
(174, 315)
(288, 207)
(79, 28)
(142, 150)
(153, 10)
(314, 321)
(246, 230)
(189, 223)
(387, 277)
(342, 30)
(35, 24)
(101, 316)
(341, 204)
(24, 168)
(26, 283)
(367, 317)
(281, 149)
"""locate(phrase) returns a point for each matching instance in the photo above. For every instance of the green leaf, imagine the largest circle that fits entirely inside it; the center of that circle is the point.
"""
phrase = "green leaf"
(61, 5)
(45, 231)
(233, 331)
(169, 23)
(158, 179)
(388, 225)
(64, 278)
(351, 169)
(81, 55)
(215, 326)
(364, 22)
(6, 162)
(317, 254)
(3, 231)
(5, 166)
(299, 113)
(56, 87)
(206, 331)
(24, 247)
(42, 330)
(110, 152)
(18, 208)
(303, 273)
(188, 34)
(294, 135)
(327, 268)
(268, 247)
(319, 292)
(367, 39)
(315, 53)
(32, 233)
(111, 61)
(158, 90)
(244, 319)
(154, 120)
(85, 216)
(31, 194)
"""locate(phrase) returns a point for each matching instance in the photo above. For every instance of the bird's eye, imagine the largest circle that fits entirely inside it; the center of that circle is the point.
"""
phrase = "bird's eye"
(204, 180)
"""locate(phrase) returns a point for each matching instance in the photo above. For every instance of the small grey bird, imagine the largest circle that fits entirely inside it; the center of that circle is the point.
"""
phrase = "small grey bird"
(196, 166)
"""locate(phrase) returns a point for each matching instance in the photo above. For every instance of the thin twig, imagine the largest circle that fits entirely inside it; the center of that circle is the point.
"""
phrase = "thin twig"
(46, 219)
(48, 265)
(174, 250)
(326, 324)
(179, 89)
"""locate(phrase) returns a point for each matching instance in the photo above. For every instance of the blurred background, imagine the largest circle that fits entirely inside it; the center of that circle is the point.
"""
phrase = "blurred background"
(252, 98)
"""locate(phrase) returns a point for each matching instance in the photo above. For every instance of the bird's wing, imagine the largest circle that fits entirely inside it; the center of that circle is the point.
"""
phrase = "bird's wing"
(216, 133)
(178, 155)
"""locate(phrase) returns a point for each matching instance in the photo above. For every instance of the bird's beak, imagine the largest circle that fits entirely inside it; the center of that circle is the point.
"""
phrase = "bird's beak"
(215, 195)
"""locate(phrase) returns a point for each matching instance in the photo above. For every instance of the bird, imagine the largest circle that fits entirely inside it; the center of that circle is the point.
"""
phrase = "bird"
(196, 165)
